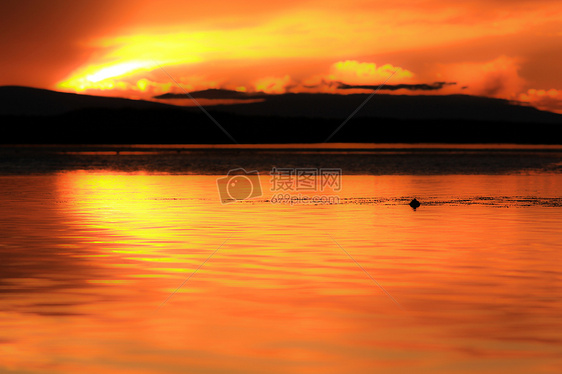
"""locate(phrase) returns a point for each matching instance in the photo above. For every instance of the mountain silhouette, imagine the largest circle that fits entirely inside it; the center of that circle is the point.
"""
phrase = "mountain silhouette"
(216, 94)
(27, 101)
(410, 107)
(37, 116)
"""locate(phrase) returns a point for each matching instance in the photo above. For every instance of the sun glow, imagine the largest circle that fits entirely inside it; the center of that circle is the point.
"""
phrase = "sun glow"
(115, 71)
(257, 48)
(310, 49)
(102, 77)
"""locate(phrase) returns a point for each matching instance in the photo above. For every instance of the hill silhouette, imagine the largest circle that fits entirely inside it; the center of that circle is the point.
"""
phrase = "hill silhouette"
(35, 116)
(27, 101)
(409, 107)
(414, 107)
(214, 93)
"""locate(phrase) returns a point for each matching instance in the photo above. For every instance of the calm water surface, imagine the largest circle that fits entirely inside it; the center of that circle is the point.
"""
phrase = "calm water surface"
(115, 272)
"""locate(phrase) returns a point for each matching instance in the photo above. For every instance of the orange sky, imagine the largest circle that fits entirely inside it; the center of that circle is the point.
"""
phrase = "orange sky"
(496, 48)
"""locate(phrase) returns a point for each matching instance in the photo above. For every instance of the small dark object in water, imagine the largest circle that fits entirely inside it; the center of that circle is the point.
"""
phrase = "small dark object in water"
(415, 204)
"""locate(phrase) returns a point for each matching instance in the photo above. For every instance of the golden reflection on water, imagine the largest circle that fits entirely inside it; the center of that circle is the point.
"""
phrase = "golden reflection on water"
(90, 258)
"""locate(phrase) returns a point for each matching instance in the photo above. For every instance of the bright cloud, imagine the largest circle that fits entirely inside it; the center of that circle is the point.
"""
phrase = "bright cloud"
(497, 78)
(355, 72)
(550, 100)
(273, 85)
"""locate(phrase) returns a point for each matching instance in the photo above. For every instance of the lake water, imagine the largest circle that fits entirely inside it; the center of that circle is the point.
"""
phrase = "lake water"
(115, 267)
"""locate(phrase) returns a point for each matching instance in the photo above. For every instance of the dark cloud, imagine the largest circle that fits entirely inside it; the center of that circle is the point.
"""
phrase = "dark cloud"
(393, 87)
(324, 84)
(223, 94)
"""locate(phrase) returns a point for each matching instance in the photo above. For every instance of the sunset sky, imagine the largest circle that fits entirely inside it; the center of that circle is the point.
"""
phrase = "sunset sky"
(495, 48)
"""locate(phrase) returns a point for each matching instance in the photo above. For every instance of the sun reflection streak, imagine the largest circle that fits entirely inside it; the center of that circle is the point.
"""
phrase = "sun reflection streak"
(130, 216)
